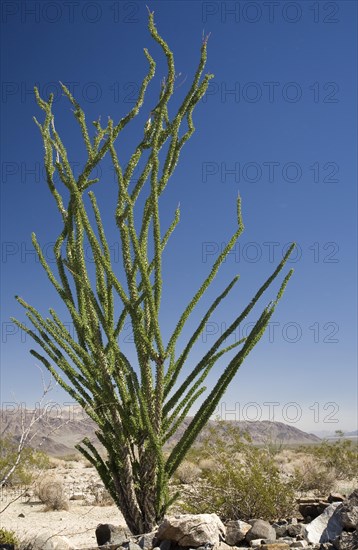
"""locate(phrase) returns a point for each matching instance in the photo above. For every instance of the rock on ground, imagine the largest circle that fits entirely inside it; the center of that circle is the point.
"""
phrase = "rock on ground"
(146, 541)
(261, 530)
(347, 541)
(349, 511)
(48, 541)
(325, 527)
(107, 533)
(192, 530)
(236, 531)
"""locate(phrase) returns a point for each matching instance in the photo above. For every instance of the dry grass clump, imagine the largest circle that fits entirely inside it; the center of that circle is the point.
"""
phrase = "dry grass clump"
(207, 464)
(51, 492)
(74, 457)
(56, 462)
(187, 472)
(284, 458)
(313, 476)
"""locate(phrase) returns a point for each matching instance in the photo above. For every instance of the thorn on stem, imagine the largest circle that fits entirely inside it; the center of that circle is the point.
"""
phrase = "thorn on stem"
(205, 38)
(150, 12)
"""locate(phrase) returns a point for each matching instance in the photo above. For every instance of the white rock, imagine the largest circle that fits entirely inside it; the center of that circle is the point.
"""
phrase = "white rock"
(256, 542)
(325, 527)
(223, 546)
(47, 541)
(192, 529)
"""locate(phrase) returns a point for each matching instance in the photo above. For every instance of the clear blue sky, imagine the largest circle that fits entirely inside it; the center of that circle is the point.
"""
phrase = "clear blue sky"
(279, 124)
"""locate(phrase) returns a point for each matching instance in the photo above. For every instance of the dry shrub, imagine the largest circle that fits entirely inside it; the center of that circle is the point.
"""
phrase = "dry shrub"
(341, 456)
(240, 482)
(51, 492)
(55, 462)
(284, 458)
(74, 457)
(101, 495)
(313, 476)
(187, 472)
(207, 464)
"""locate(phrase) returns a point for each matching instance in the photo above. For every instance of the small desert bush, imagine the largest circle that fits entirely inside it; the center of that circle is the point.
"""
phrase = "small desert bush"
(340, 457)
(8, 537)
(73, 457)
(243, 481)
(30, 463)
(206, 464)
(284, 457)
(312, 476)
(50, 491)
(187, 472)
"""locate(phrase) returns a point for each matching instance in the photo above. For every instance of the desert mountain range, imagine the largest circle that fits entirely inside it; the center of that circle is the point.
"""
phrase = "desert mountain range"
(57, 432)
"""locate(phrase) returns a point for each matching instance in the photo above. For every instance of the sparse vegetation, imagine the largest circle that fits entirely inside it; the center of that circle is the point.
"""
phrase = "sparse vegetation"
(313, 476)
(187, 472)
(238, 480)
(51, 493)
(75, 457)
(8, 537)
(30, 462)
(225, 474)
(340, 456)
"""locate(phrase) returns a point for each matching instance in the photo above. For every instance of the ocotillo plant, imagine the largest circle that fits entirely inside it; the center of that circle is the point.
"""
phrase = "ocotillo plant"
(137, 407)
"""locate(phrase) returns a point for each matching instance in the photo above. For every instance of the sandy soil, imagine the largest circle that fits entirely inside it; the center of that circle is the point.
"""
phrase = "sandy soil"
(78, 524)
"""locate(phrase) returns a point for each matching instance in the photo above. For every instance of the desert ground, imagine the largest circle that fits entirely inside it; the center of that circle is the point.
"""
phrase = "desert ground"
(28, 518)
(89, 504)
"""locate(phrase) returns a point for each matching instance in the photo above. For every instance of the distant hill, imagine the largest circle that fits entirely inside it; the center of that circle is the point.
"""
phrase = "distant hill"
(57, 433)
(325, 434)
(261, 432)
